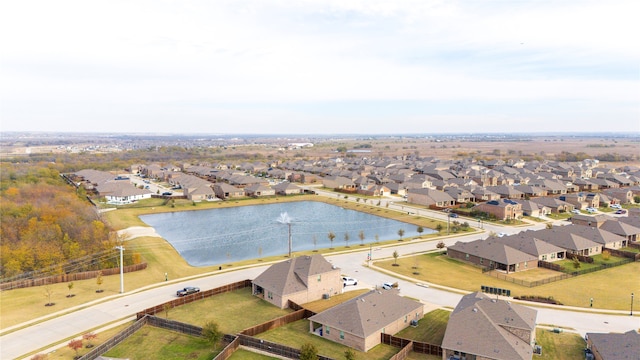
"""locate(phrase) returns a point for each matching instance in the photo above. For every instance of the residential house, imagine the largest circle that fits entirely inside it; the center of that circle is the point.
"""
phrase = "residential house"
(339, 183)
(484, 328)
(431, 198)
(492, 254)
(358, 323)
(503, 209)
(300, 279)
(589, 220)
(287, 188)
(572, 243)
(528, 243)
(605, 238)
(530, 208)
(259, 190)
(612, 346)
(225, 191)
(556, 206)
(506, 192)
(628, 231)
(374, 190)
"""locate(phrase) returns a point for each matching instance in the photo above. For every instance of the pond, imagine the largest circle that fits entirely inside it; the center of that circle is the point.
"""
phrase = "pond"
(217, 236)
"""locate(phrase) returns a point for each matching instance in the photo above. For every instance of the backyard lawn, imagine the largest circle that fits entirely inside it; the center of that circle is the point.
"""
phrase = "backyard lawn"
(151, 342)
(610, 288)
(233, 311)
(430, 329)
(297, 333)
(562, 346)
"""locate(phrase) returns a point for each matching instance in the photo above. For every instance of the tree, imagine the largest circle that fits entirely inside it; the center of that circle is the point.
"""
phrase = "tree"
(636, 199)
(377, 237)
(606, 255)
(211, 332)
(75, 345)
(576, 263)
(349, 354)
(395, 257)
(346, 238)
(48, 292)
(439, 227)
(331, 236)
(70, 286)
(89, 336)
(549, 225)
(420, 230)
(308, 352)
(99, 281)
(440, 245)
(361, 236)
(166, 307)
(401, 233)
(40, 357)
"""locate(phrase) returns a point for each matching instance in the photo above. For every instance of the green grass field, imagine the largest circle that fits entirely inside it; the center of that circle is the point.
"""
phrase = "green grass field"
(609, 288)
(430, 329)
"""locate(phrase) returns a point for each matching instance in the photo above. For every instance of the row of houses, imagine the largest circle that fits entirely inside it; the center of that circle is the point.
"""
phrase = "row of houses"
(478, 326)
(522, 251)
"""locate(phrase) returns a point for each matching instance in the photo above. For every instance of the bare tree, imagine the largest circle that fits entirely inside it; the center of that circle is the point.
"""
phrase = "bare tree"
(361, 236)
(331, 236)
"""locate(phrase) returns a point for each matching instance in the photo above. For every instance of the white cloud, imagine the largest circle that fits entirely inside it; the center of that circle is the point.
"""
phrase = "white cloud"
(150, 54)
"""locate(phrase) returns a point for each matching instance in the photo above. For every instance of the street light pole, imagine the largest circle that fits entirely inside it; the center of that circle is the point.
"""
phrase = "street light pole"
(631, 313)
(121, 269)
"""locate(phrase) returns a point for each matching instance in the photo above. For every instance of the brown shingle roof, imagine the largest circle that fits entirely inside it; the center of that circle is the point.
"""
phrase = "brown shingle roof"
(289, 277)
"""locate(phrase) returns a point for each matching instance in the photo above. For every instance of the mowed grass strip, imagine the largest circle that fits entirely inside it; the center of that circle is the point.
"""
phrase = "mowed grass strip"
(324, 304)
(161, 344)
(610, 288)
(297, 333)
(233, 311)
(242, 354)
(562, 346)
(430, 329)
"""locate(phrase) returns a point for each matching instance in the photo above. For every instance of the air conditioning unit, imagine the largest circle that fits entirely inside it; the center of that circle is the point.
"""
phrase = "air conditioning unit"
(414, 323)
(325, 296)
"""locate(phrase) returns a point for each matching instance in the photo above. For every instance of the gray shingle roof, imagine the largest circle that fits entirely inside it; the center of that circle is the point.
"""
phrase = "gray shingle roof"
(479, 325)
(367, 313)
(289, 277)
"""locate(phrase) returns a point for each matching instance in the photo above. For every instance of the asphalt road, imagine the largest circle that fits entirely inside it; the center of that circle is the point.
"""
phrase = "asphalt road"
(124, 306)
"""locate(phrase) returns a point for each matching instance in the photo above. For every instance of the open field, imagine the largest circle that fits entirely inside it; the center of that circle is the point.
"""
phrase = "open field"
(609, 288)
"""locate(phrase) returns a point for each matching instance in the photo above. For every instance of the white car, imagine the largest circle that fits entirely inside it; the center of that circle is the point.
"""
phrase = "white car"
(349, 281)
(575, 211)
(387, 286)
(616, 206)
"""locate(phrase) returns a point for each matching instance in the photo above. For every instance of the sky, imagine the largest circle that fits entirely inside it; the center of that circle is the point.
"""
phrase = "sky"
(320, 66)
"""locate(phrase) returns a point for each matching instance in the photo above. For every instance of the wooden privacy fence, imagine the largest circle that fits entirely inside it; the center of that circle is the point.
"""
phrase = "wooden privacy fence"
(114, 341)
(626, 254)
(273, 348)
(276, 323)
(85, 275)
(194, 297)
(418, 347)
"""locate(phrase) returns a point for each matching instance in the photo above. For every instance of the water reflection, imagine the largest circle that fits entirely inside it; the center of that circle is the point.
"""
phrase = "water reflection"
(216, 236)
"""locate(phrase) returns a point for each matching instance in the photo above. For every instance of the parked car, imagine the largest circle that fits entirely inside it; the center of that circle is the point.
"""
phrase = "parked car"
(502, 234)
(188, 291)
(167, 193)
(621, 211)
(388, 286)
(349, 281)
(453, 215)
(615, 206)
(575, 211)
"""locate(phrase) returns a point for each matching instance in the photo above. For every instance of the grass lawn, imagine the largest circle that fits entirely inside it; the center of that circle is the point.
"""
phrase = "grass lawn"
(242, 354)
(324, 304)
(230, 310)
(67, 353)
(597, 262)
(610, 288)
(156, 343)
(297, 333)
(430, 328)
(562, 346)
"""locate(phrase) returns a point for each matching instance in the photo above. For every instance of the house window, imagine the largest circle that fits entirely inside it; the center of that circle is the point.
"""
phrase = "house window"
(466, 256)
(326, 330)
(270, 295)
(544, 257)
(319, 278)
(481, 261)
(553, 256)
(491, 263)
(341, 335)
(383, 331)
(525, 264)
(405, 319)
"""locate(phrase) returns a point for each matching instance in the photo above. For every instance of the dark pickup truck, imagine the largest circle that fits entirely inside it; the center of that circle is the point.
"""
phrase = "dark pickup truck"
(187, 291)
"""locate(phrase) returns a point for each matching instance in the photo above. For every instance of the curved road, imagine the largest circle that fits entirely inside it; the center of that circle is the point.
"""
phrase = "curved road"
(54, 331)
